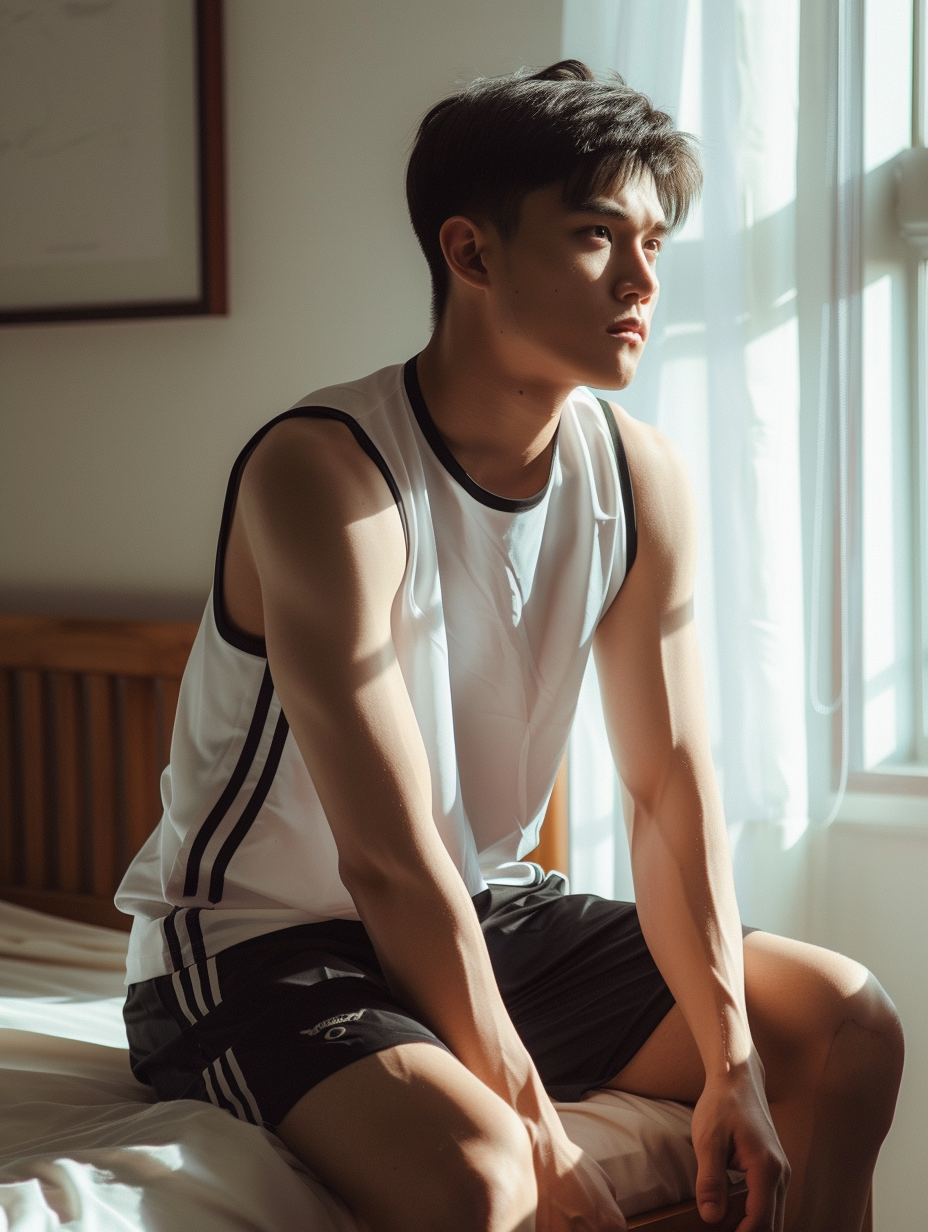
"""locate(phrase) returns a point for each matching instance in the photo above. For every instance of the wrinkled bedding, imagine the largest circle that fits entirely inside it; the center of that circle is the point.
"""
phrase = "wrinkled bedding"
(83, 1146)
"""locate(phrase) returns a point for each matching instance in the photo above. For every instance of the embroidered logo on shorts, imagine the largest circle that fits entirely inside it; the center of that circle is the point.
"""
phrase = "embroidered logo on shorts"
(332, 1026)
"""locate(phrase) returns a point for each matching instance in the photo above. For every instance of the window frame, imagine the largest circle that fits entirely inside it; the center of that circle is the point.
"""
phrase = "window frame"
(832, 278)
(909, 778)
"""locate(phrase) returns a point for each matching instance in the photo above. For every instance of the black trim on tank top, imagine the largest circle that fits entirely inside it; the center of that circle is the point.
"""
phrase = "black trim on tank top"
(237, 835)
(444, 455)
(625, 483)
(170, 932)
(232, 788)
(195, 933)
(197, 944)
(245, 641)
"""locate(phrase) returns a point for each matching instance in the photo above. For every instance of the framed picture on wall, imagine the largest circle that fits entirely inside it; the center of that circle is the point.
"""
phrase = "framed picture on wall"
(112, 196)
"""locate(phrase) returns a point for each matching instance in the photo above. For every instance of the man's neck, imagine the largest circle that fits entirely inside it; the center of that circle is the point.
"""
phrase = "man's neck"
(498, 422)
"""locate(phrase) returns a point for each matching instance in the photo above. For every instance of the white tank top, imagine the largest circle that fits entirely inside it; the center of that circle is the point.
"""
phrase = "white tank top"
(492, 630)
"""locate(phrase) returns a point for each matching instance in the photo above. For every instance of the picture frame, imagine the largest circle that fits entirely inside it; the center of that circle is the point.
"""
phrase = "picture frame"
(112, 160)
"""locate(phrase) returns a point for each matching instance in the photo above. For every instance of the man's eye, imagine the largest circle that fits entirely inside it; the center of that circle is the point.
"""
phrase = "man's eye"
(599, 227)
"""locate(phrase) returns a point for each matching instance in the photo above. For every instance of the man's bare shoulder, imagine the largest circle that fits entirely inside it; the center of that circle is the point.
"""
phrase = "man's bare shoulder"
(665, 513)
(316, 535)
(664, 504)
(319, 465)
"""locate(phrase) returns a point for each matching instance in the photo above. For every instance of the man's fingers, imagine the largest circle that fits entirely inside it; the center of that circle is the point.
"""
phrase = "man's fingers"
(732, 1128)
(712, 1183)
(766, 1199)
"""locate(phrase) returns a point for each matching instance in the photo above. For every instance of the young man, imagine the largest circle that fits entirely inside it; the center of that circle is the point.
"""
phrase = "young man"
(412, 570)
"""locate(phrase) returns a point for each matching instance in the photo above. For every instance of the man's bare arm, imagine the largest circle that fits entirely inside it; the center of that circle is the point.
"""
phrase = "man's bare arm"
(648, 663)
(328, 547)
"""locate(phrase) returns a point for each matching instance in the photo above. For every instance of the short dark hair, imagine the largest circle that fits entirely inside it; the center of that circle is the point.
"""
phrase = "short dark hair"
(480, 151)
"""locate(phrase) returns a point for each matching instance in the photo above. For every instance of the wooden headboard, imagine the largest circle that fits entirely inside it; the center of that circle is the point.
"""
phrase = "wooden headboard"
(86, 711)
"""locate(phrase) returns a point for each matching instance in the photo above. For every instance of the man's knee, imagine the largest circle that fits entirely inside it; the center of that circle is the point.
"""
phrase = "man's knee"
(822, 1018)
(487, 1186)
(862, 1048)
(868, 1052)
(874, 1012)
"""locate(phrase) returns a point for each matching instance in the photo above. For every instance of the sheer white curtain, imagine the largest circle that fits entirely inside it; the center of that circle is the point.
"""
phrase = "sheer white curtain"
(721, 377)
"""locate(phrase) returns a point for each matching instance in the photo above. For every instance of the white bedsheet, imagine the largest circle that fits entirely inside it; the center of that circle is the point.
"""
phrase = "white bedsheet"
(83, 1146)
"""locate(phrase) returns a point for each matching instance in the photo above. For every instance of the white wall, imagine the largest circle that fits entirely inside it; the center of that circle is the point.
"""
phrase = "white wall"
(868, 899)
(116, 438)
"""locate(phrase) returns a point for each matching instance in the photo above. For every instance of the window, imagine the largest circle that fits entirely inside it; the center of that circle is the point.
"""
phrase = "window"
(882, 53)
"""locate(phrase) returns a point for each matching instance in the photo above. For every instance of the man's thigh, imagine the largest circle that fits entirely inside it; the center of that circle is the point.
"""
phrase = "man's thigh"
(795, 995)
(407, 1137)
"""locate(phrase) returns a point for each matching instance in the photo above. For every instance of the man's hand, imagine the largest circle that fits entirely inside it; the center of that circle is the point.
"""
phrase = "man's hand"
(574, 1194)
(732, 1129)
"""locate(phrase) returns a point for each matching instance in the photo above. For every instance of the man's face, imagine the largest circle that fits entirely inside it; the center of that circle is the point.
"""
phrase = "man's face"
(574, 290)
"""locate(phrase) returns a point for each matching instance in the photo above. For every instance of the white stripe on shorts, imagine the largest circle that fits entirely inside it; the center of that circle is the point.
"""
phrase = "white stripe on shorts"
(197, 990)
(227, 1090)
(213, 980)
(243, 1086)
(211, 1090)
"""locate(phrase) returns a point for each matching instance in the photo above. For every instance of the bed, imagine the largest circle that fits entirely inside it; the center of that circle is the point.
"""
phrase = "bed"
(86, 709)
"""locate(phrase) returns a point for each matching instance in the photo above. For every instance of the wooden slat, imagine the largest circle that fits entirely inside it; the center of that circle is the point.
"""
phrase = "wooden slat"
(93, 759)
(116, 647)
(103, 786)
(70, 778)
(140, 744)
(685, 1217)
(6, 776)
(84, 907)
(553, 851)
(33, 776)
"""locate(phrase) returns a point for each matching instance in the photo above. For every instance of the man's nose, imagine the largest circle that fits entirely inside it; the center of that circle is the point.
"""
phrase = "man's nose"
(638, 279)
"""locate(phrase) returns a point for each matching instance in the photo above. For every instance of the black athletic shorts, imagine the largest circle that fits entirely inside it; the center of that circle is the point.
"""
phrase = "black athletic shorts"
(256, 1027)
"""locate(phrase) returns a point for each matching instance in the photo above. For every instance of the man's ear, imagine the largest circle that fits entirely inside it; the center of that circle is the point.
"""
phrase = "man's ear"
(463, 242)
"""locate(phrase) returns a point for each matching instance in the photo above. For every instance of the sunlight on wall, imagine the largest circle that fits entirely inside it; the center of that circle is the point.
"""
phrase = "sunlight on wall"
(887, 80)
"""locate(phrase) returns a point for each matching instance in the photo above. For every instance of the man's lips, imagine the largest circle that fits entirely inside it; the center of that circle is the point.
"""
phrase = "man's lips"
(631, 325)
